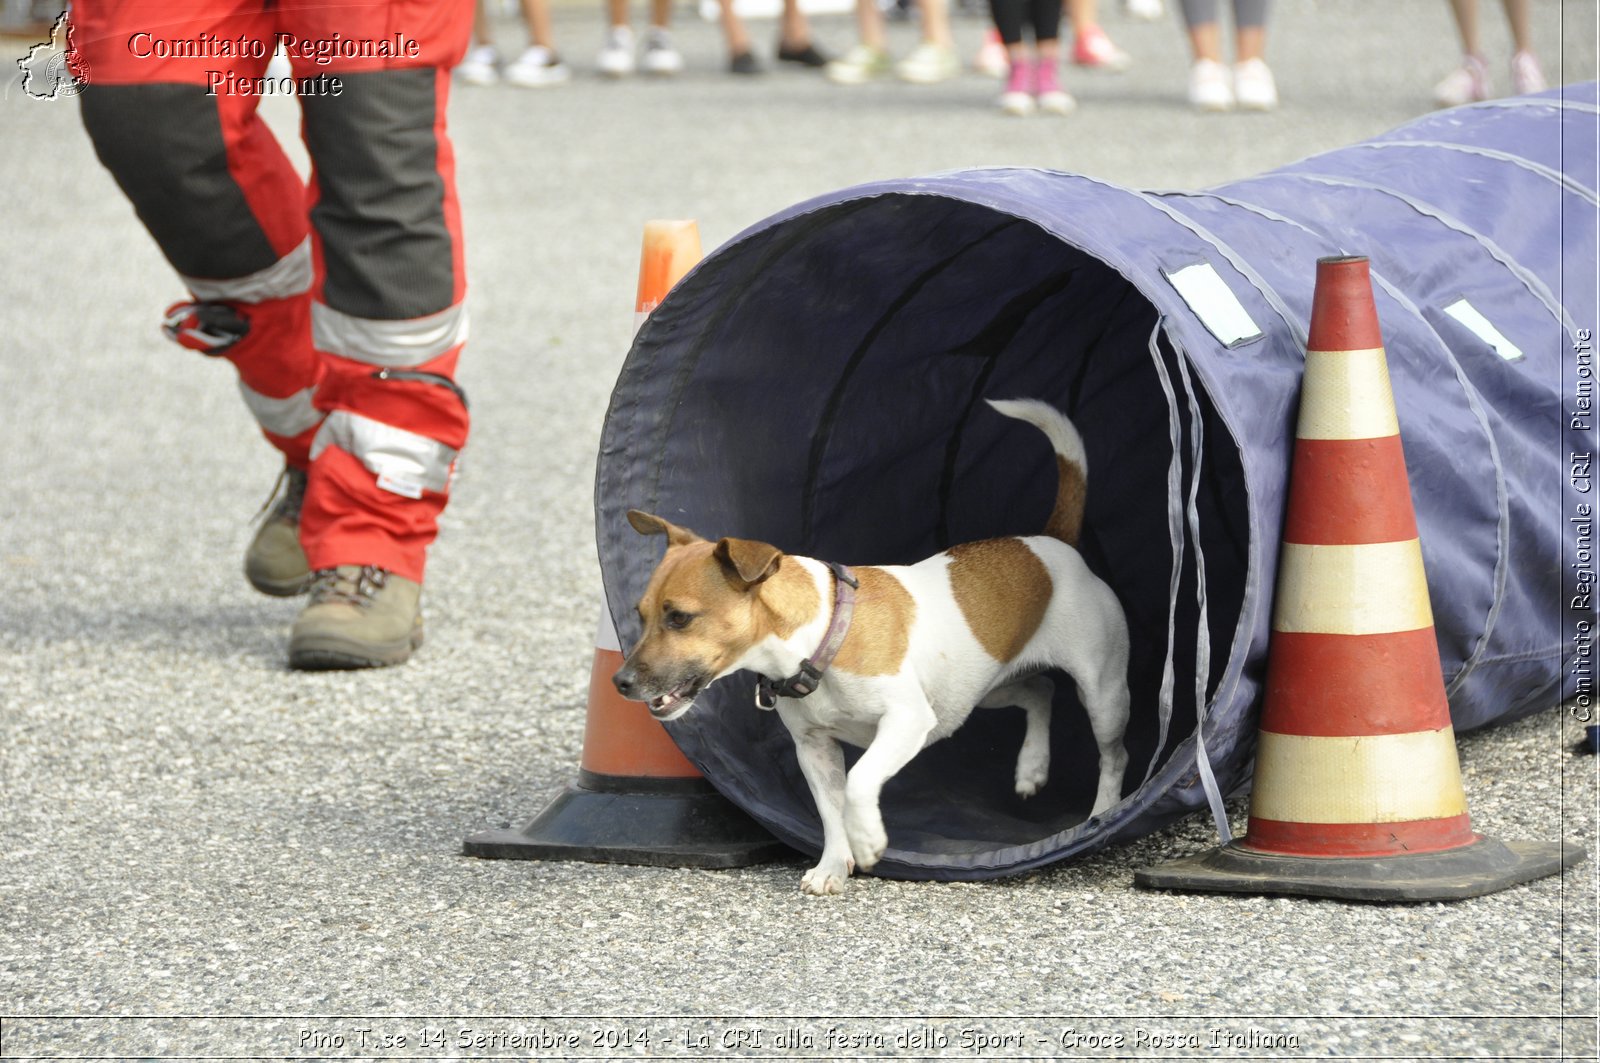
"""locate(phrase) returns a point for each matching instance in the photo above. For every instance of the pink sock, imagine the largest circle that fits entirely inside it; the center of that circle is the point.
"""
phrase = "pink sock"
(1023, 75)
(1046, 80)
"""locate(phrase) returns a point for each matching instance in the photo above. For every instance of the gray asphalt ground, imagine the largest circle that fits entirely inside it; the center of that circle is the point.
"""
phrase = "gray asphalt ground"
(260, 859)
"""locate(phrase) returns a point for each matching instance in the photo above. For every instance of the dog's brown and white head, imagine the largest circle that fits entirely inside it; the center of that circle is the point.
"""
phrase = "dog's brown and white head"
(702, 612)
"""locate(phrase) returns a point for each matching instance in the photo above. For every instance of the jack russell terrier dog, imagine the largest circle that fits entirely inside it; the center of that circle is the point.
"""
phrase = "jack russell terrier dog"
(892, 658)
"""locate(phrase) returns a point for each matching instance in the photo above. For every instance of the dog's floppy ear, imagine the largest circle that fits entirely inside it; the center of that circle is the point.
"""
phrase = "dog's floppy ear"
(650, 524)
(746, 561)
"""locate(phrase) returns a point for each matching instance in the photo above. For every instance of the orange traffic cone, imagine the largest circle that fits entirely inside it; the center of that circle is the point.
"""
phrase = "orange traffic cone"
(1357, 791)
(637, 799)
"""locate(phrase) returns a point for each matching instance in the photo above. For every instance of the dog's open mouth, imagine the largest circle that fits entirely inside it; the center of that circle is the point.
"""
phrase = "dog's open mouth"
(674, 701)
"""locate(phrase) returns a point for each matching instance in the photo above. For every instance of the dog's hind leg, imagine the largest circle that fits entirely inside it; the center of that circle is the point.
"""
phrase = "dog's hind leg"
(1033, 695)
(1108, 707)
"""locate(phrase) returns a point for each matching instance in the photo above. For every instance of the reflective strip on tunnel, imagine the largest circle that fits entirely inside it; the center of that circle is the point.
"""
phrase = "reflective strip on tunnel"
(1214, 303)
(1484, 329)
(1365, 779)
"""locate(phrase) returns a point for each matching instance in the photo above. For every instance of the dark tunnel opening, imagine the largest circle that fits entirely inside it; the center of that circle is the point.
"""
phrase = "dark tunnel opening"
(819, 386)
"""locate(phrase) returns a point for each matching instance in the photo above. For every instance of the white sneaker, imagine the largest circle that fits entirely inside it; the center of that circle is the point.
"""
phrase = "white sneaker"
(1209, 87)
(1145, 10)
(1467, 83)
(616, 58)
(1254, 87)
(1020, 104)
(660, 57)
(537, 67)
(1057, 102)
(859, 65)
(928, 63)
(1526, 76)
(992, 60)
(481, 66)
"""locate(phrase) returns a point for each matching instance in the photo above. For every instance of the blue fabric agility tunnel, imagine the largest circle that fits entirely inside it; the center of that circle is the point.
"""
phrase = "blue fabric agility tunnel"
(817, 383)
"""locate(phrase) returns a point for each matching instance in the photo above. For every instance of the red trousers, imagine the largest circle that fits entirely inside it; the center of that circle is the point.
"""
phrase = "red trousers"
(351, 285)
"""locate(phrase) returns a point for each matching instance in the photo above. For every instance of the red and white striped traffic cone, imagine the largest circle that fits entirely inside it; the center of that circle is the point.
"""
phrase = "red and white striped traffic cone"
(1357, 790)
(637, 798)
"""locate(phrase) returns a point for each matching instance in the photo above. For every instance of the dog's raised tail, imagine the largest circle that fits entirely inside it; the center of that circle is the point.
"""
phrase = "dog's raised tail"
(1072, 466)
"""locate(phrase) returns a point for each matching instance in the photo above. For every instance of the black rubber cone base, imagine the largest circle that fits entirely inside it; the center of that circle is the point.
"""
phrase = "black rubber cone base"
(1485, 866)
(661, 823)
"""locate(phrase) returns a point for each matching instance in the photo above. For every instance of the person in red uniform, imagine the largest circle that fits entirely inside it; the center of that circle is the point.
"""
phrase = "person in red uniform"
(339, 300)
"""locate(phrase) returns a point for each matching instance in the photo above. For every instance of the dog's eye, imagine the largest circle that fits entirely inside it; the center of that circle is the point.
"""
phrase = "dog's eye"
(676, 619)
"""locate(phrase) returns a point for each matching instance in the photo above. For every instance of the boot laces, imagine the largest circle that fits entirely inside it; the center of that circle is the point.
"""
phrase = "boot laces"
(287, 496)
(360, 589)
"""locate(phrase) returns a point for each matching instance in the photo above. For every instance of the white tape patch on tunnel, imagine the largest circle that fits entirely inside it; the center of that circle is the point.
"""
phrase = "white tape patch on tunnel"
(1214, 303)
(1484, 329)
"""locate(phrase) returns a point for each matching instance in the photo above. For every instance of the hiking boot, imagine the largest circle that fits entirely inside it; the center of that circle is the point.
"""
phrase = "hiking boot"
(359, 616)
(274, 563)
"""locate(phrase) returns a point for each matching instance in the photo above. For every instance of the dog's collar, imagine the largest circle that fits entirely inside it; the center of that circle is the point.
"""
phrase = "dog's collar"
(806, 680)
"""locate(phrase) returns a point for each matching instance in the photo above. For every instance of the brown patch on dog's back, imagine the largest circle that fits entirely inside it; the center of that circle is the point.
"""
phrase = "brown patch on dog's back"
(1072, 490)
(1003, 590)
(880, 629)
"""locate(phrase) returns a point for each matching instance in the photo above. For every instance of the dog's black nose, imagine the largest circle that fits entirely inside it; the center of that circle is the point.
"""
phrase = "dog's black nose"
(625, 680)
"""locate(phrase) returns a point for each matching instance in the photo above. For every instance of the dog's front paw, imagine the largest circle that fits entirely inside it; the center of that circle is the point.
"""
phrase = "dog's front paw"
(867, 837)
(827, 878)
